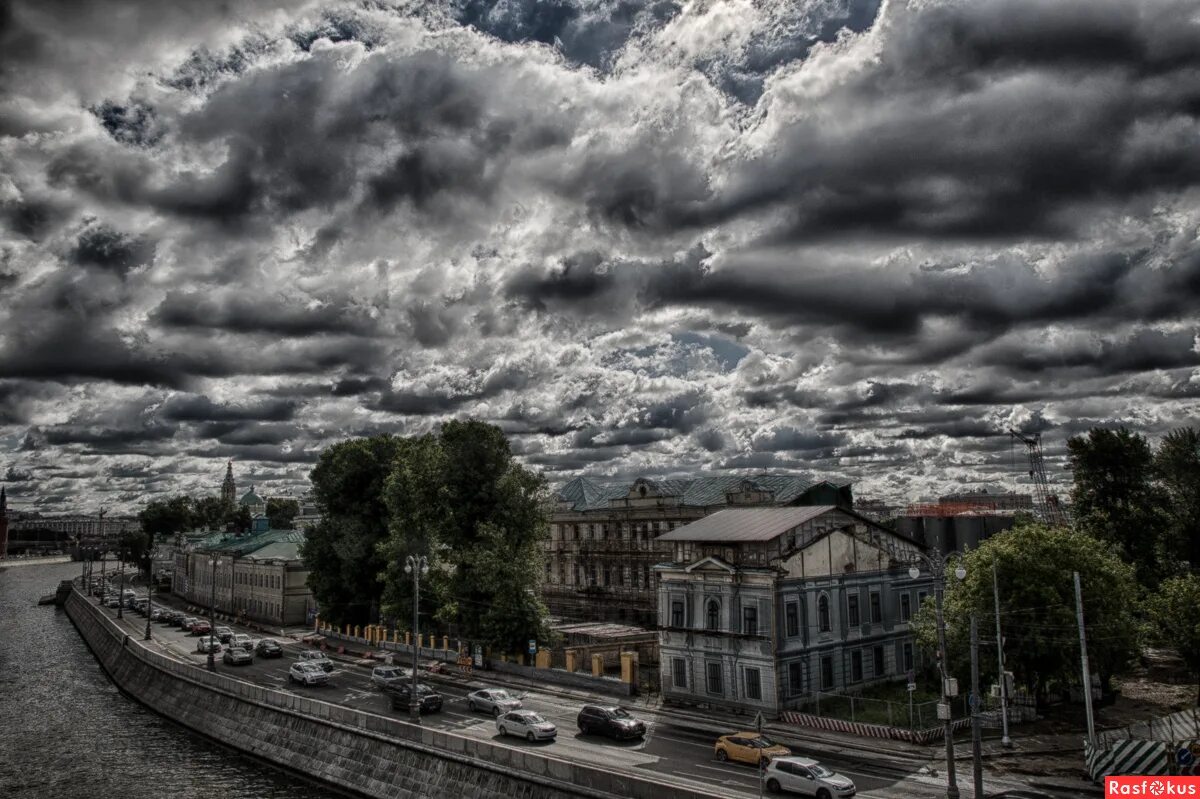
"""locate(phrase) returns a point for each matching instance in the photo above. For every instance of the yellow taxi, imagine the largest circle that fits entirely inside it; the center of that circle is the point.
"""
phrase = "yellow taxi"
(748, 747)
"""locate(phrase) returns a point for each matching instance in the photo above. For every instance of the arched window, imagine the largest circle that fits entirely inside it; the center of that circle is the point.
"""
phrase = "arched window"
(823, 613)
(714, 615)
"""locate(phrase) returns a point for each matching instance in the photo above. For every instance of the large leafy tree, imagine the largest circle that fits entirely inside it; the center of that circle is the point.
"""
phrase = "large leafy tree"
(461, 499)
(342, 553)
(1178, 465)
(138, 546)
(280, 512)
(1173, 621)
(209, 513)
(1117, 500)
(1034, 565)
(168, 516)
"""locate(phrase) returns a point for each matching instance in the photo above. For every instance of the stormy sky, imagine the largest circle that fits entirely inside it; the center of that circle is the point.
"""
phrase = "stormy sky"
(852, 239)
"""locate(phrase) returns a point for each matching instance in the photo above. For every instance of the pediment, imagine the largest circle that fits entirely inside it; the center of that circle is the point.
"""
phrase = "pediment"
(710, 564)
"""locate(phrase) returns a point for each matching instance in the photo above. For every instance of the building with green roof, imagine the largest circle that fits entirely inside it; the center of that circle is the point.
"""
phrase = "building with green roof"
(602, 546)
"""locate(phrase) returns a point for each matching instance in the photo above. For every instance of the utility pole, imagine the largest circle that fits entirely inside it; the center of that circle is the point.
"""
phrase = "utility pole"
(416, 565)
(951, 777)
(121, 590)
(1087, 673)
(976, 738)
(149, 602)
(1005, 740)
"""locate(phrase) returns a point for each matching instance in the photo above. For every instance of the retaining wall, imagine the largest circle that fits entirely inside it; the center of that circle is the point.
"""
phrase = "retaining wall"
(364, 753)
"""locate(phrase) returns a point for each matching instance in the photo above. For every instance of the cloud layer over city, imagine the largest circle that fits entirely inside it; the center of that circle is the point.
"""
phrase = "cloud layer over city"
(851, 239)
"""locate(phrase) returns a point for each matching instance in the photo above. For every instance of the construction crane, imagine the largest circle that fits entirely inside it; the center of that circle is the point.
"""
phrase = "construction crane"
(1048, 505)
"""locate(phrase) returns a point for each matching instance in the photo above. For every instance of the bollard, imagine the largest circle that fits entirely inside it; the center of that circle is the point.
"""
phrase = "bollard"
(597, 665)
(395, 636)
(572, 664)
(408, 638)
(317, 624)
(347, 631)
(542, 659)
(629, 667)
(446, 642)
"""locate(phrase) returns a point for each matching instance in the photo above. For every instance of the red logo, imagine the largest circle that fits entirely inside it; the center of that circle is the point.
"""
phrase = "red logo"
(1151, 787)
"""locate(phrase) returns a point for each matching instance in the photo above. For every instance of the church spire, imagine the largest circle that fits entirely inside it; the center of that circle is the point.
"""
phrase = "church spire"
(228, 489)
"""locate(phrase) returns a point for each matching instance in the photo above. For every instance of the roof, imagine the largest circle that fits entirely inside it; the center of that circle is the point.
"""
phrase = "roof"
(241, 546)
(250, 498)
(746, 524)
(586, 494)
(280, 550)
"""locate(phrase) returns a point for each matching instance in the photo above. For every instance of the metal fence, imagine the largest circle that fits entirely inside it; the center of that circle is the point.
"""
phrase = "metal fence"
(912, 715)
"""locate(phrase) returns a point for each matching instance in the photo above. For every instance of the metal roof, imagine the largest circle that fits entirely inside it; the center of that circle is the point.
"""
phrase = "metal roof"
(586, 494)
(746, 524)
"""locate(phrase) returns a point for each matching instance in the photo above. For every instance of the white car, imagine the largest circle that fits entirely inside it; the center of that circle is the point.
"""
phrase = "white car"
(241, 639)
(493, 700)
(202, 645)
(806, 776)
(383, 676)
(316, 657)
(526, 724)
(307, 674)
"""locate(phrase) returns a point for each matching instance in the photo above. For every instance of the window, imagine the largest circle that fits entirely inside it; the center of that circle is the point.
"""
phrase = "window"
(607, 576)
(713, 621)
(852, 610)
(878, 664)
(679, 672)
(753, 684)
(677, 614)
(792, 615)
(621, 574)
(826, 673)
(908, 657)
(876, 609)
(591, 575)
(796, 678)
(749, 620)
(856, 673)
(921, 598)
(714, 678)
(905, 608)
(823, 613)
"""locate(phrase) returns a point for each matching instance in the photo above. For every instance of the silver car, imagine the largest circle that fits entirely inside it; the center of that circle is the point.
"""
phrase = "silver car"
(526, 724)
(383, 676)
(806, 776)
(493, 700)
(307, 674)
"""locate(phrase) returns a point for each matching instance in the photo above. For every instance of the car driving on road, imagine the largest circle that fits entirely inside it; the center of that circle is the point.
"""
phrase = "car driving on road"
(242, 640)
(200, 628)
(237, 656)
(307, 674)
(401, 693)
(224, 633)
(384, 676)
(317, 658)
(610, 720)
(748, 747)
(803, 775)
(526, 724)
(268, 649)
(493, 700)
(202, 646)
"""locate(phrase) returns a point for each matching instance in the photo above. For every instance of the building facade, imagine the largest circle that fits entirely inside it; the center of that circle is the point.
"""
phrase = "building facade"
(3, 523)
(758, 609)
(259, 577)
(604, 537)
(983, 499)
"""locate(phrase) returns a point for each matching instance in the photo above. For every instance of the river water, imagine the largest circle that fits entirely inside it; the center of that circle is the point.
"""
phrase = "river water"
(66, 731)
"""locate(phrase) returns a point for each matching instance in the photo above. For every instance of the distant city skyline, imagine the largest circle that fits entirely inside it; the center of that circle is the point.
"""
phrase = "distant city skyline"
(848, 240)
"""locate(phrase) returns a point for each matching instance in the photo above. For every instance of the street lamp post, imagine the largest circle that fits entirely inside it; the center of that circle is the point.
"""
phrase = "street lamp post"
(121, 580)
(212, 614)
(416, 565)
(149, 601)
(937, 567)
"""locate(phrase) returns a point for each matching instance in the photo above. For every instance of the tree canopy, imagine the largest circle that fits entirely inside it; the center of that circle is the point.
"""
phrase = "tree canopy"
(280, 512)
(1178, 465)
(1034, 565)
(1172, 613)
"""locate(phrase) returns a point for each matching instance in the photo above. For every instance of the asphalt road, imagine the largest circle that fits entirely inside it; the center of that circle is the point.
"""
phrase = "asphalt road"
(669, 749)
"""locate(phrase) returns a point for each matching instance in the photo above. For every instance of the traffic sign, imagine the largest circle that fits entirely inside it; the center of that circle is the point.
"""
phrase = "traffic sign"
(532, 646)
(912, 686)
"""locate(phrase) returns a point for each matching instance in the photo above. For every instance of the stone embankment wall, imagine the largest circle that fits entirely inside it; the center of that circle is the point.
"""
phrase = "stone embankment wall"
(364, 753)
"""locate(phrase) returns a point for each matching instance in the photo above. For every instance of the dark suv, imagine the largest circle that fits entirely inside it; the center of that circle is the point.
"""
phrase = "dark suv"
(609, 720)
(431, 702)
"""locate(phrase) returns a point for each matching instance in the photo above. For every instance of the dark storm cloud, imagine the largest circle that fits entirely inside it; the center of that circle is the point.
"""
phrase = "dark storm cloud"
(255, 314)
(793, 440)
(248, 434)
(454, 394)
(106, 248)
(199, 408)
(128, 439)
(134, 124)
(256, 452)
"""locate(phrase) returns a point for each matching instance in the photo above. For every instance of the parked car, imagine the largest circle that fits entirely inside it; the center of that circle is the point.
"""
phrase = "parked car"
(307, 673)
(401, 694)
(158, 614)
(610, 720)
(492, 700)
(318, 658)
(806, 776)
(526, 724)
(202, 646)
(268, 648)
(237, 656)
(384, 676)
(201, 628)
(224, 633)
(243, 640)
(748, 747)
(111, 601)
(186, 623)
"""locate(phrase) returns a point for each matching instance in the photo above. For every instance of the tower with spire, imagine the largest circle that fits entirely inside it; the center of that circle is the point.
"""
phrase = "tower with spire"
(3, 523)
(228, 490)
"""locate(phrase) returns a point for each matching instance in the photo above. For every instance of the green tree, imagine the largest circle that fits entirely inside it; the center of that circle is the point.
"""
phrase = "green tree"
(209, 513)
(1116, 499)
(139, 545)
(280, 512)
(1034, 565)
(342, 553)
(1173, 622)
(462, 500)
(1178, 465)
(239, 517)
(168, 516)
